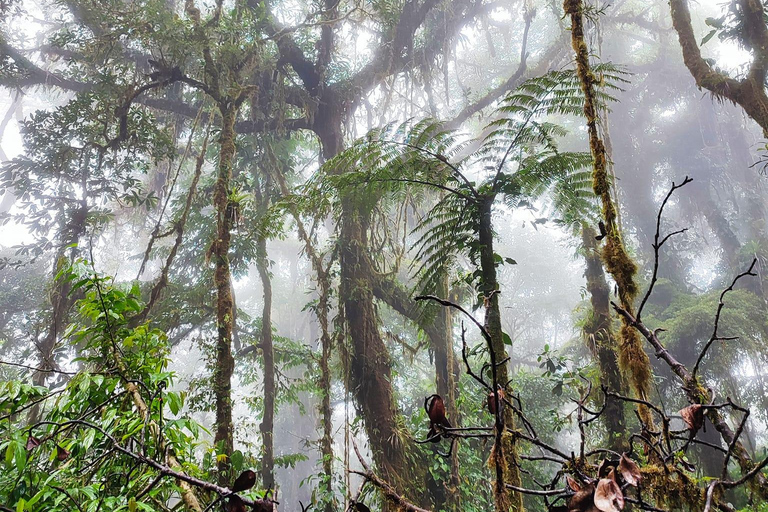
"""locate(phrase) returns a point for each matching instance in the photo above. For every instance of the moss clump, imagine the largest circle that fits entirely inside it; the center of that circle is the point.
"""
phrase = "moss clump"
(506, 458)
(673, 488)
(634, 360)
(621, 267)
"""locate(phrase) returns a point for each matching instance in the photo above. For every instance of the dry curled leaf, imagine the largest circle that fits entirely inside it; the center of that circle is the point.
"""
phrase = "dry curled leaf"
(608, 495)
(693, 416)
(602, 469)
(245, 481)
(62, 453)
(582, 500)
(492, 402)
(629, 470)
(572, 484)
(32, 443)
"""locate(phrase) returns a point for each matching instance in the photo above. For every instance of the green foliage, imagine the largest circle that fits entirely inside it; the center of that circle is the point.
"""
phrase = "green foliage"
(69, 457)
(66, 182)
(732, 25)
(518, 161)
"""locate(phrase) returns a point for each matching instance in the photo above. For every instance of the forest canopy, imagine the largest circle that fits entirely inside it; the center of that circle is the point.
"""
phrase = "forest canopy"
(346, 255)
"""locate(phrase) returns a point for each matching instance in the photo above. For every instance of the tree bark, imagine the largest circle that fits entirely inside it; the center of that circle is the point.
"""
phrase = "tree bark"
(225, 363)
(267, 425)
(749, 92)
(371, 364)
(632, 357)
(506, 452)
(446, 384)
(439, 330)
(602, 341)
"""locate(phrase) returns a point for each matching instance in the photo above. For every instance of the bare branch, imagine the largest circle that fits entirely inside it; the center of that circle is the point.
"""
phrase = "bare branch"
(385, 487)
(658, 244)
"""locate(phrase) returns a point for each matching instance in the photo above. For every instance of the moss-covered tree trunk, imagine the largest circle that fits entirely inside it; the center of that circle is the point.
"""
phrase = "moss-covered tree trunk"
(326, 414)
(371, 364)
(504, 454)
(225, 363)
(267, 425)
(370, 371)
(632, 358)
(602, 341)
(447, 386)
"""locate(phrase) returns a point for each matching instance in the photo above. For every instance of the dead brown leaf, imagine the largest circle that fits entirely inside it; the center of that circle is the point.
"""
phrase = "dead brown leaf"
(582, 500)
(572, 484)
(608, 496)
(629, 470)
(693, 416)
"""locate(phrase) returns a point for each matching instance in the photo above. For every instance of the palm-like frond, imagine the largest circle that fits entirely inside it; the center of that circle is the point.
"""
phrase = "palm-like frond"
(517, 160)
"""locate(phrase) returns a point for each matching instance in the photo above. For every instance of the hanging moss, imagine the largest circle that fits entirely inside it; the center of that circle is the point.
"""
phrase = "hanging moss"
(507, 458)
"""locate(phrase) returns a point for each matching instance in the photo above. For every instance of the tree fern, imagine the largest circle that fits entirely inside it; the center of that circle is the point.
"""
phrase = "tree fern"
(515, 162)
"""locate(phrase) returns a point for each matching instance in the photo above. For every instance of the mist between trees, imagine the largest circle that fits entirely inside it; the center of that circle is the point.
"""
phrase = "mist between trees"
(400, 256)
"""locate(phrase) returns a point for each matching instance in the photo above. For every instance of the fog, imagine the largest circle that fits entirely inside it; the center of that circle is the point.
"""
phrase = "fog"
(282, 253)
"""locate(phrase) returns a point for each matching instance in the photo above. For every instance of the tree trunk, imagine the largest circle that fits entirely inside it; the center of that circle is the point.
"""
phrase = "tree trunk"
(505, 453)
(602, 341)
(446, 385)
(632, 357)
(326, 414)
(225, 363)
(370, 372)
(748, 92)
(267, 425)
(371, 365)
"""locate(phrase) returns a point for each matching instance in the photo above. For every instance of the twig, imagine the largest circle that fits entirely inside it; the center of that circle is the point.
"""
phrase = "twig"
(448, 303)
(41, 370)
(65, 492)
(710, 493)
(658, 244)
(720, 306)
(739, 431)
(534, 492)
(386, 488)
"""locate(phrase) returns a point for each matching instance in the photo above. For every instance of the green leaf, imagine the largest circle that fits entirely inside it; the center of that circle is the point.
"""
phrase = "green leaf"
(174, 402)
(707, 37)
(506, 338)
(90, 436)
(20, 456)
(9, 451)
(237, 460)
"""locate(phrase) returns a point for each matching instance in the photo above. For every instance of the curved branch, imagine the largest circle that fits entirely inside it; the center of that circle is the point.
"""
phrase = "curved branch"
(749, 92)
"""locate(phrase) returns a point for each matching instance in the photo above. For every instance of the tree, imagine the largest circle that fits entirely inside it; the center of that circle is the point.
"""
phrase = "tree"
(517, 162)
(744, 22)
